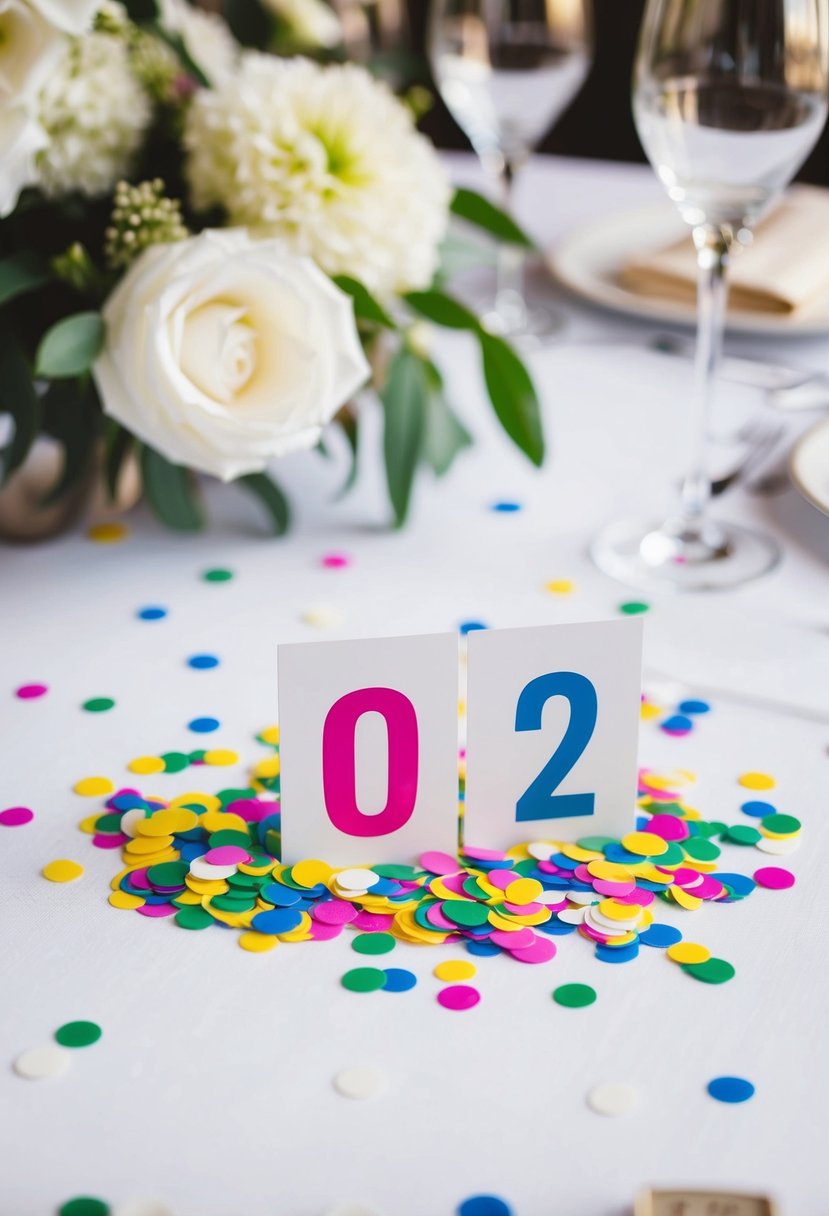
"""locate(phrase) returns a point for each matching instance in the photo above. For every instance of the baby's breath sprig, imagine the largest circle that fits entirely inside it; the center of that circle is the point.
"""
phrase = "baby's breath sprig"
(142, 215)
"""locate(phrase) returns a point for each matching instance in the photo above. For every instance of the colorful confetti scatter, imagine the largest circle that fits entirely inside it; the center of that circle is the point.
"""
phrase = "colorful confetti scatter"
(108, 534)
(16, 816)
(730, 1089)
(98, 705)
(31, 692)
(62, 870)
(78, 1034)
(153, 612)
(484, 1205)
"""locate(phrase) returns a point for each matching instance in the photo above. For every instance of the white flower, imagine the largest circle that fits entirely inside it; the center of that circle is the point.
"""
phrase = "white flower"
(206, 36)
(328, 159)
(72, 16)
(95, 114)
(21, 138)
(29, 49)
(311, 23)
(222, 351)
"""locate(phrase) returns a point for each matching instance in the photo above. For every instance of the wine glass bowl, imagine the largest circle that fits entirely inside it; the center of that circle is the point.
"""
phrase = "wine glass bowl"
(729, 98)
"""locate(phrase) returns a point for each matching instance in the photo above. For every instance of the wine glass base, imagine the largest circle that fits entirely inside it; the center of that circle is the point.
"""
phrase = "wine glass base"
(531, 325)
(713, 558)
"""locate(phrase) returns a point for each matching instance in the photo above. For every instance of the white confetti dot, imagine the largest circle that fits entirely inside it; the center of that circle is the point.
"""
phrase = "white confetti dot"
(322, 618)
(42, 1063)
(613, 1099)
(356, 880)
(142, 1207)
(363, 1082)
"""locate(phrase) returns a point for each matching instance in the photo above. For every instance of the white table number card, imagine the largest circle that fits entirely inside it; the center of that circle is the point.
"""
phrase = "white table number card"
(553, 724)
(369, 748)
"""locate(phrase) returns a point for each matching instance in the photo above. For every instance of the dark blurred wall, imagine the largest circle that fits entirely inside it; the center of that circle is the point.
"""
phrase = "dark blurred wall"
(599, 122)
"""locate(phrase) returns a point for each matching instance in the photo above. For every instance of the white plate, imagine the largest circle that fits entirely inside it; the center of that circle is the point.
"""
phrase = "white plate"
(588, 260)
(809, 466)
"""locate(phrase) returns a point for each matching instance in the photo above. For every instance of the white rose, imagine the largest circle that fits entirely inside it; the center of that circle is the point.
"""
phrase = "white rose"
(21, 138)
(222, 352)
(206, 36)
(311, 22)
(72, 16)
(29, 49)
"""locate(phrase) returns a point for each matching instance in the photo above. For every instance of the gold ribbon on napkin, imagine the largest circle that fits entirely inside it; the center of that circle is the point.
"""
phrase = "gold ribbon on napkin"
(784, 270)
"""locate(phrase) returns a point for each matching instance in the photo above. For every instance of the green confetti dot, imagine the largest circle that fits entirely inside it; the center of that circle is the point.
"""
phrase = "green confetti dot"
(700, 849)
(713, 971)
(373, 943)
(193, 917)
(741, 833)
(168, 873)
(84, 1205)
(217, 575)
(98, 705)
(784, 825)
(78, 1034)
(634, 608)
(574, 996)
(174, 762)
(466, 913)
(364, 979)
(596, 843)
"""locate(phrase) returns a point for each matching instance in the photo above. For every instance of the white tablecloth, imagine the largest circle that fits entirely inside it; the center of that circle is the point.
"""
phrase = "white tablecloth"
(211, 1087)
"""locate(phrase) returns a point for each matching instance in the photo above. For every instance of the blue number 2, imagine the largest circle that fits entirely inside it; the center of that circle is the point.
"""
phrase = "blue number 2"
(539, 800)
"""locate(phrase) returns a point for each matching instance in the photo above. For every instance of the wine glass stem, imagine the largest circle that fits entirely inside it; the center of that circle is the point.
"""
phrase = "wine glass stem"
(510, 306)
(712, 293)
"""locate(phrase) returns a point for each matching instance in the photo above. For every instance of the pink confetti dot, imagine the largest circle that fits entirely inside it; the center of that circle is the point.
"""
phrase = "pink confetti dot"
(439, 863)
(334, 912)
(28, 692)
(16, 816)
(156, 910)
(336, 561)
(226, 855)
(541, 951)
(669, 827)
(775, 878)
(458, 996)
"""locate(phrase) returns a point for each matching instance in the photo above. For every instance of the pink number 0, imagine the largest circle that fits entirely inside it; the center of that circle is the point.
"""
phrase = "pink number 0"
(339, 782)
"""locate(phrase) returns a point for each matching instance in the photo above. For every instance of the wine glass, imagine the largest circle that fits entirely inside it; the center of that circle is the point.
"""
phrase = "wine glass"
(729, 98)
(506, 69)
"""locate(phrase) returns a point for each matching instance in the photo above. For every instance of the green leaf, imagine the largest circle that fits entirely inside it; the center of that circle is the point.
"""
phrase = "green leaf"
(513, 395)
(169, 489)
(366, 308)
(70, 415)
(475, 209)
(405, 398)
(177, 44)
(349, 425)
(21, 273)
(70, 347)
(18, 398)
(444, 434)
(118, 447)
(271, 497)
(441, 309)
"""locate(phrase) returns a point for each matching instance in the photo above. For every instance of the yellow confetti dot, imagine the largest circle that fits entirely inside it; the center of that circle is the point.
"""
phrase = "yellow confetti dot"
(208, 801)
(455, 969)
(576, 853)
(461, 709)
(258, 943)
(146, 764)
(62, 870)
(267, 768)
(215, 821)
(609, 871)
(90, 824)
(756, 781)
(523, 891)
(93, 787)
(616, 911)
(221, 756)
(270, 735)
(108, 534)
(647, 711)
(688, 952)
(644, 844)
(560, 586)
(167, 823)
(140, 846)
(690, 902)
(122, 899)
(310, 872)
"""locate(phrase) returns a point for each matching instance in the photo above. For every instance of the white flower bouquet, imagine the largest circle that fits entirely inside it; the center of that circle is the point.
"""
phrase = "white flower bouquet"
(204, 251)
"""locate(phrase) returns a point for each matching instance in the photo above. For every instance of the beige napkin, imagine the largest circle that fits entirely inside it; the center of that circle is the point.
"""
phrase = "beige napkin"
(785, 269)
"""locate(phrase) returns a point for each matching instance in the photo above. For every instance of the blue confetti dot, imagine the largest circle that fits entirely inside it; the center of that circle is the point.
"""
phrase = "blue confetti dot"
(660, 935)
(471, 626)
(282, 897)
(203, 726)
(506, 508)
(758, 810)
(151, 613)
(484, 1205)
(617, 954)
(740, 884)
(555, 928)
(677, 724)
(694, 707)
(202, 662)
(730, 1089)
(277, 920)
(398, 979)
(482, 949)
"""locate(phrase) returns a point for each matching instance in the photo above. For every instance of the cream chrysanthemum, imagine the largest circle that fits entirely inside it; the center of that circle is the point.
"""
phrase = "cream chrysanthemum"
(94, 113)
(326, 158)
